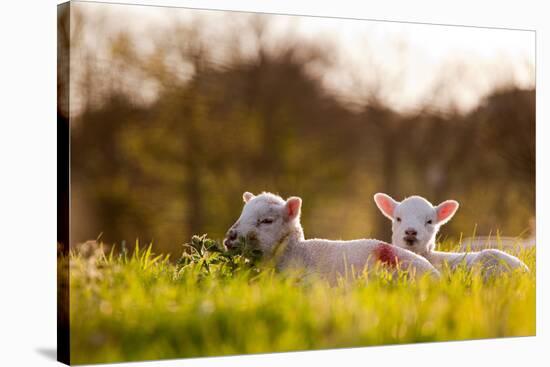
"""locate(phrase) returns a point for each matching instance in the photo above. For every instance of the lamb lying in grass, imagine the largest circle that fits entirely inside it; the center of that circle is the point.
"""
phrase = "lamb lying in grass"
(273, 225)
(415, 223)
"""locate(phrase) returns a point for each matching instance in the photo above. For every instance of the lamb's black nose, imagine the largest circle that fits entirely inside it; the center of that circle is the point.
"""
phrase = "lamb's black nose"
(228, 244)
(232, 235)
(411, 232)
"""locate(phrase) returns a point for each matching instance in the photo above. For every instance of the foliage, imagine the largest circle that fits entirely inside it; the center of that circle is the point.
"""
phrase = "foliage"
(178, 163)
(141, 306)
(207, 256)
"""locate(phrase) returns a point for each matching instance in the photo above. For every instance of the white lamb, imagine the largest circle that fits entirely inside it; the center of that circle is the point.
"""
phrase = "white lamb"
(415, 223)
(273, 225)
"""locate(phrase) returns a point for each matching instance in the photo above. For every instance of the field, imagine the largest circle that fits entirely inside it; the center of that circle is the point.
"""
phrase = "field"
(134, 305)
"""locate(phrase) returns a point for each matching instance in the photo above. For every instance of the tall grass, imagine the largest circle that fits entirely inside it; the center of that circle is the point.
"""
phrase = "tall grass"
(141, 306)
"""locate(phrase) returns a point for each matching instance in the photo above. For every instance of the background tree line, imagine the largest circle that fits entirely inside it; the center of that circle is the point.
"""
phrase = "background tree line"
(164, 168)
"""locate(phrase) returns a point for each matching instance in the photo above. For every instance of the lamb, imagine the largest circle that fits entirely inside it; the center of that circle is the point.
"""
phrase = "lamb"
(415, 223)
(273, 225)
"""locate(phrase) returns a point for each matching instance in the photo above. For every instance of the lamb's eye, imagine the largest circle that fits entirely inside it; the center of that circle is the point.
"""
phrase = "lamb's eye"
(266, 221)
(429, 221)
(398, 219)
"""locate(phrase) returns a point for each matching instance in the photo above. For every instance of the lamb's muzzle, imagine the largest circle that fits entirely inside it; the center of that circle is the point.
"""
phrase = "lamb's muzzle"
(231, 237)
(410, 236)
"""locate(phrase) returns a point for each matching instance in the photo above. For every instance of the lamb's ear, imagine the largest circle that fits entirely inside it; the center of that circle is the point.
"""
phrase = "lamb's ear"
(247, 196)
(446, 210)
(292, 207)
(386, 204)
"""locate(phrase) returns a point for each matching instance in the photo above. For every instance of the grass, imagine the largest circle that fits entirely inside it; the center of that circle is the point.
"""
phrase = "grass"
(143, 307)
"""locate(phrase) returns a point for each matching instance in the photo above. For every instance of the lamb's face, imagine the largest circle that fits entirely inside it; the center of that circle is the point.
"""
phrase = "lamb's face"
(414, 225)
(266, 220)
(415, 221)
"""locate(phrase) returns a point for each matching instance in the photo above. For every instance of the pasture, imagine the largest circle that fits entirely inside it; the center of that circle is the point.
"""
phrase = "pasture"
(135, 305)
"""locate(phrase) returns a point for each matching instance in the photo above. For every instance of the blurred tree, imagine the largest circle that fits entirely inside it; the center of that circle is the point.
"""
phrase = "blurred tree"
(258, 119)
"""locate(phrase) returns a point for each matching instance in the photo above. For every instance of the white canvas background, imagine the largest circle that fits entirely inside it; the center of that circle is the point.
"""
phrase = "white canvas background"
(28, 182)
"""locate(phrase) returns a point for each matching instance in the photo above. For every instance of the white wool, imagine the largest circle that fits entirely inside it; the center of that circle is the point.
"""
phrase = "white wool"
(275, 225)
(415, 223)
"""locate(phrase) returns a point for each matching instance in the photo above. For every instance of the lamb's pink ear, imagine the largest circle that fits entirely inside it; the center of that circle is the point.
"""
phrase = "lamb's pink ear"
(386, 204)
(446, 210)
(292, 207)
(247, 196)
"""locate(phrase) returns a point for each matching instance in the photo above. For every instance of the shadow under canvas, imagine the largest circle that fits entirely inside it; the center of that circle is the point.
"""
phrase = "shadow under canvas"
(49, 353)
